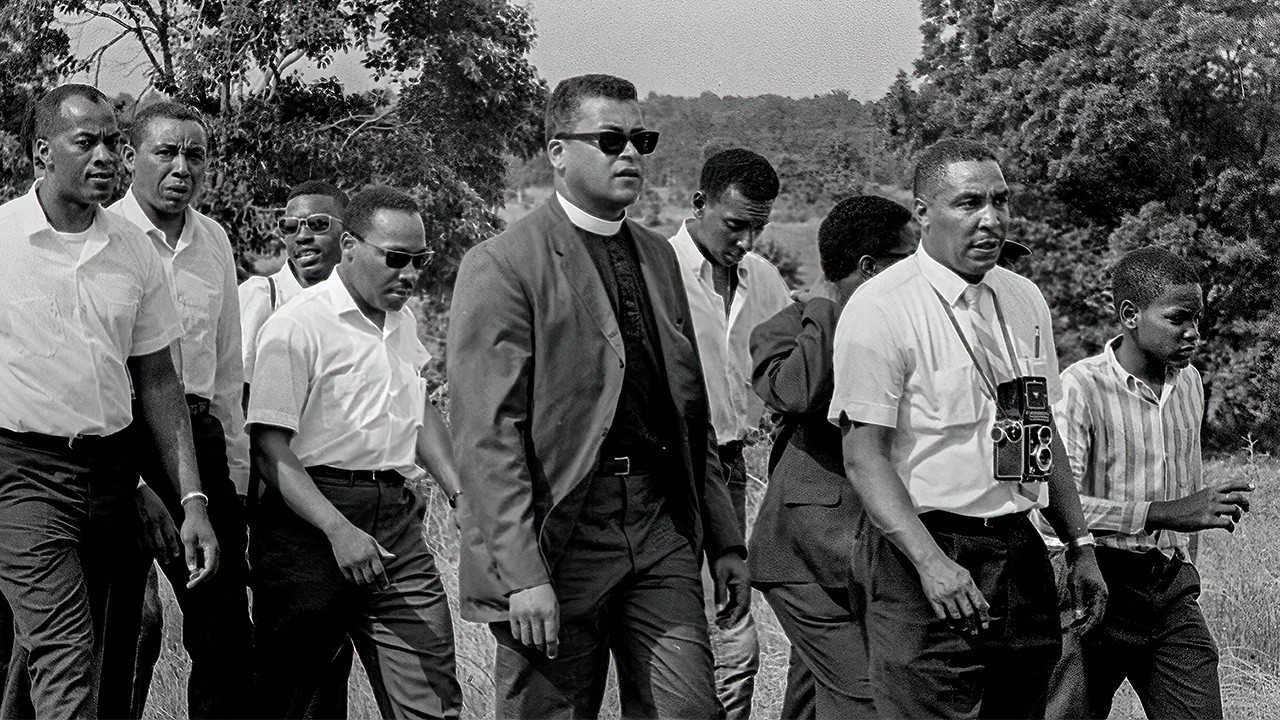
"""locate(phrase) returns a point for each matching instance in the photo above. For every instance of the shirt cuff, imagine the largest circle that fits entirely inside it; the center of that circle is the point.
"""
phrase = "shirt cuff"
(274, 419)
(1137, 518)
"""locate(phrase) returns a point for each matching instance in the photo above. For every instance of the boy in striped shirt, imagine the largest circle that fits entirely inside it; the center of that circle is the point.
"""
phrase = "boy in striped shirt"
(1130, 417)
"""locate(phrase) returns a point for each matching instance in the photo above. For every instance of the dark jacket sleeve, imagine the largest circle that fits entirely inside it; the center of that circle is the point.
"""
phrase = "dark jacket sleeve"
(793, 361)
(490, 363)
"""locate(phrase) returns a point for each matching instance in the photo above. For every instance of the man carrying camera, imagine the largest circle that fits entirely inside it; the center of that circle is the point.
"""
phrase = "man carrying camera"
(961, 608)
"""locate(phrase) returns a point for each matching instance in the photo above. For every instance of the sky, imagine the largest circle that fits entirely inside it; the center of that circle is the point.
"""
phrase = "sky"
(797, 48)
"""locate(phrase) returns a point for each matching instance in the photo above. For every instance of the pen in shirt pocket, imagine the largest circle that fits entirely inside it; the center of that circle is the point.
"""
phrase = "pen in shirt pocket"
(1037, 355)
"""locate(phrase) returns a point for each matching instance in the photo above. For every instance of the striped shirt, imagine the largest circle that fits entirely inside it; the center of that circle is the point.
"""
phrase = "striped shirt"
(1128, 447)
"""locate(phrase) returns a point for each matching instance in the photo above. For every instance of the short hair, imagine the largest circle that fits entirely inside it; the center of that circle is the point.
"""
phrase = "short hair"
(161, 110)
(934, 161)
(739, 168)
(49, 108)
(366, 203)
(319, 187)
(1143, 275)
(857, 226)
(566, 99)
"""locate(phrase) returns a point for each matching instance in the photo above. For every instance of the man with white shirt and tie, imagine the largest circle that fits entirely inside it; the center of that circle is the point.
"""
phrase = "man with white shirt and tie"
(337, 548)
(730, 291)
(963, 619)
(167, 154)
(86, 308)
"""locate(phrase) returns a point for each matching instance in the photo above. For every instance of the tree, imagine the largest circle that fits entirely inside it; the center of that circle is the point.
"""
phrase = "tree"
(1126, 124)
(456, 95)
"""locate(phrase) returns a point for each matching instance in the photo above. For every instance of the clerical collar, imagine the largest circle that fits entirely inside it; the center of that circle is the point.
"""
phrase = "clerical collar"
(589, 222)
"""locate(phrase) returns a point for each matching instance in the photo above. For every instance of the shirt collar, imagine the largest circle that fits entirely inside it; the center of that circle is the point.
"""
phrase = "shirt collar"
(586, 221)
(692, 259)
(285, 279)
(948, 284)
(344, 305)
(31, 221)
(131, 210)
(1131, 381)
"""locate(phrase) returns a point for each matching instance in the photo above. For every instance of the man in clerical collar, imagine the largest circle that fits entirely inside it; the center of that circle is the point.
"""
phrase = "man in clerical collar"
(586, 452)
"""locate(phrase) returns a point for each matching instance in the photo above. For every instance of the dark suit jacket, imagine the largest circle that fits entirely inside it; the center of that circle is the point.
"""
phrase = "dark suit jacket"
(810, 513)
(535, 362)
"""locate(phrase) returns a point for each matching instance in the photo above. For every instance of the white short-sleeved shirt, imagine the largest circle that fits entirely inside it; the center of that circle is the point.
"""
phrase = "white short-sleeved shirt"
(202, 272)
(724, 343)
(899, 363)
(72, 312)
(351, 393)
(256, 305)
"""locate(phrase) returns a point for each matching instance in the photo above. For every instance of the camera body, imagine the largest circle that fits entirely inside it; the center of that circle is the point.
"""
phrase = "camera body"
(1023, 431)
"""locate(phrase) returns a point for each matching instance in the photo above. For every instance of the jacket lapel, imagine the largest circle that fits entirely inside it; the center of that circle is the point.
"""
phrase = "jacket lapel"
(581, 276)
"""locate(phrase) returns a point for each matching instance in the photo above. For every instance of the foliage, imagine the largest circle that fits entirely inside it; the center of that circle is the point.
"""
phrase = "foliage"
(1125, 123)
(454, 95)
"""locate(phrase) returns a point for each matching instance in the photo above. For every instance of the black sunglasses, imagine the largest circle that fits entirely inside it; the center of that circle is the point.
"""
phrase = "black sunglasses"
(319, 222)
(397, 259)
(613, 142)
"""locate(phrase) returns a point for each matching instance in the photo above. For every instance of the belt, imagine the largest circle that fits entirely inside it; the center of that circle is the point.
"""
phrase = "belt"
(943, 521)
(59, 444)
(355, 476)
(197, 405)
(623, 466)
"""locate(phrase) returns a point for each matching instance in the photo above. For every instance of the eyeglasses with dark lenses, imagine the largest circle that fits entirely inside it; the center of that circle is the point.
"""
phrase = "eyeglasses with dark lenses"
(397, 259)
(613, 142)
(318, 223)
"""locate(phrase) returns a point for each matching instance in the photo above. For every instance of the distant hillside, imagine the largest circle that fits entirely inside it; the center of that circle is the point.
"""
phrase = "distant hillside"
(824, 148)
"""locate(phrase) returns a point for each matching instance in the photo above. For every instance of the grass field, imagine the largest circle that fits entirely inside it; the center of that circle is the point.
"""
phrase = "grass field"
(1241, 575)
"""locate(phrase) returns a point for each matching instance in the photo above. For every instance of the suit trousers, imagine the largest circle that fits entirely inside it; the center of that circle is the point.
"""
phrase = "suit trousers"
(628, 585)
(68, 539)
(216, 631)
(828, 676)
(304, 609)
(1153, 634)
(925, 667)
(736, 648)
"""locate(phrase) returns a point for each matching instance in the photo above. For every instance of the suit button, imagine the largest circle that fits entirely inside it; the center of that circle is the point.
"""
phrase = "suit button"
(622, 364)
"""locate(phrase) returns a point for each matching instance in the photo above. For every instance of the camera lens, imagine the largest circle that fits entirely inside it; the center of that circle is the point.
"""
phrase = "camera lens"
(1044, 459)
(1044, 434)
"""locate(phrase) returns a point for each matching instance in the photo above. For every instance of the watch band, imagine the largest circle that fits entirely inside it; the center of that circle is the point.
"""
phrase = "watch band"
(1084, 540)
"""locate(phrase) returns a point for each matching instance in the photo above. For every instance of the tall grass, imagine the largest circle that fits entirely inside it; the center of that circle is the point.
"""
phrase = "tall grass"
(1241, 599)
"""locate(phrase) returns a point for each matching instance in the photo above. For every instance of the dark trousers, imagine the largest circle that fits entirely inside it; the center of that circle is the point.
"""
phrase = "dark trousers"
(305, 610)
(736, 648)
(216, 631)
(1153, 634)
(68, 536)
(925, 667)
(828, 676)
(628, 585)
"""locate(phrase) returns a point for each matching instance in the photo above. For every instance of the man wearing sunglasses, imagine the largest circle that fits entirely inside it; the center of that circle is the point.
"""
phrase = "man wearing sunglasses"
(588, 458)
(167, 154)
(337, 547)
(311, 227)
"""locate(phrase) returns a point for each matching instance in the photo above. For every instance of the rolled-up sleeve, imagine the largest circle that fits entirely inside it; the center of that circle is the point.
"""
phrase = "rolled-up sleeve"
(870, 373)
(286, 354)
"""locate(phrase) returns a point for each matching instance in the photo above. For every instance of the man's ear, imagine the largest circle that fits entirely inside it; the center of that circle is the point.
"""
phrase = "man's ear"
(128, 154)
(1129, 314)
(348, 243)
(699, 202)
(42, 153)
(867, 266)
(555, 154)
(920, 210)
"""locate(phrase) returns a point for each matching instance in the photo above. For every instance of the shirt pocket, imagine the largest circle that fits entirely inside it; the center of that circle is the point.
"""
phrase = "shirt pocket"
(954, 396)
(37, 325)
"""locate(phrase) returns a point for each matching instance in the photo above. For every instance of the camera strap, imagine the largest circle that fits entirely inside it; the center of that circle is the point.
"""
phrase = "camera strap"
(1004, 331)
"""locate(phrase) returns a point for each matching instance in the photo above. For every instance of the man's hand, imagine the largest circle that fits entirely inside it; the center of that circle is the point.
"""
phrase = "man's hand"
(953, 594)
(159, 534)
(535, 618)
(359, 556)
(1088, 589)
(820, 288)
(198, 542)
(1221, 506)
(733, 588)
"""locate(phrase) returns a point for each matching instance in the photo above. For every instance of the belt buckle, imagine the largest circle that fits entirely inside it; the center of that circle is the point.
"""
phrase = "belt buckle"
(73, 441)
(626, 465)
